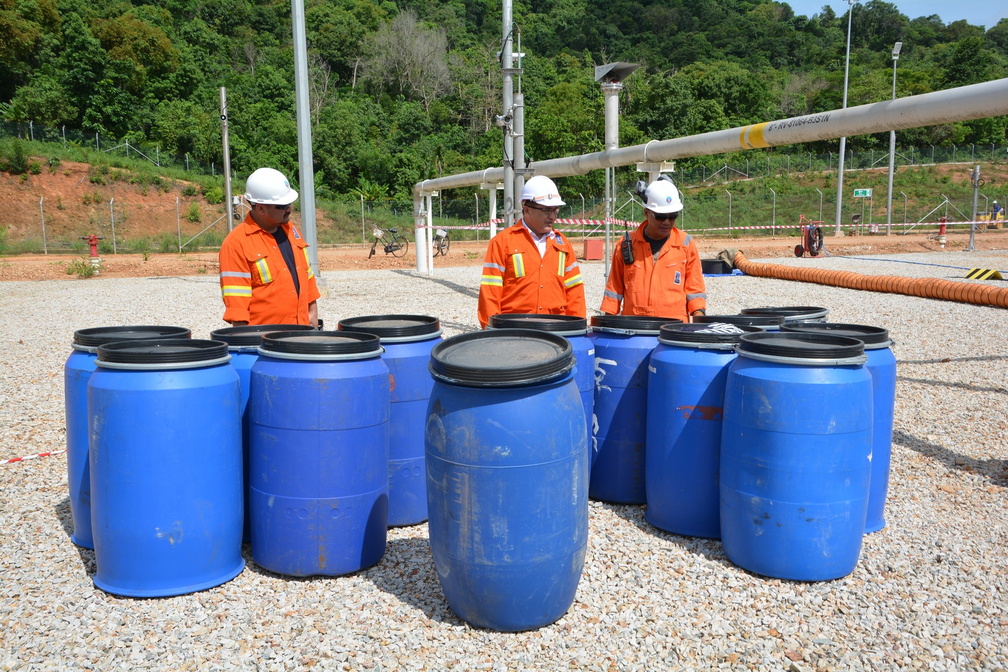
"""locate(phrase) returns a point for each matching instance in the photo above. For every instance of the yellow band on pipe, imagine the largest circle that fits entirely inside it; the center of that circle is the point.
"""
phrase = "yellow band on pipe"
(751, 137)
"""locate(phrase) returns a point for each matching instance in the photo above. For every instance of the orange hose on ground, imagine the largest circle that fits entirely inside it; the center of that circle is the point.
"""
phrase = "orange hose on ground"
(928, 288)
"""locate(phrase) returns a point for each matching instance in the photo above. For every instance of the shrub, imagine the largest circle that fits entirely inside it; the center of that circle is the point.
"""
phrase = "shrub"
(213, 195)
(194, 214)
(82, 268)
(17, 160)
(189, 190)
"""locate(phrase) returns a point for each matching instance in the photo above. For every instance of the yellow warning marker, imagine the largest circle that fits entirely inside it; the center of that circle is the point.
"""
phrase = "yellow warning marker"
(984, 274)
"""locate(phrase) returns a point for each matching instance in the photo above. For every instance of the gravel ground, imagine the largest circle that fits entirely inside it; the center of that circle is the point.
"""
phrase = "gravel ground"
(930, 590)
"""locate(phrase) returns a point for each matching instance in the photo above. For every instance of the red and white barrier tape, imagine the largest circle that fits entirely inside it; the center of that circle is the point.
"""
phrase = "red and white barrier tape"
(32, 457)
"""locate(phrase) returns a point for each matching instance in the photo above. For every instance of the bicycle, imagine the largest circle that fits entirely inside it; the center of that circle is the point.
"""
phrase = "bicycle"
(394, 244)
(441, 243)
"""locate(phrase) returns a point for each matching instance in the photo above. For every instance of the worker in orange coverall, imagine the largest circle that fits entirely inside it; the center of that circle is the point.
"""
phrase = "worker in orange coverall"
(656, 270)
(265, 274)
(530, 267)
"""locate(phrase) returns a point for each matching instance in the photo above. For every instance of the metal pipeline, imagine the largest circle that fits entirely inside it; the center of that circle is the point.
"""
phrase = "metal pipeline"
(927, 288)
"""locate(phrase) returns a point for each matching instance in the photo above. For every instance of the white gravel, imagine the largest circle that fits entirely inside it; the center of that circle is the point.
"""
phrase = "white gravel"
(930, 591)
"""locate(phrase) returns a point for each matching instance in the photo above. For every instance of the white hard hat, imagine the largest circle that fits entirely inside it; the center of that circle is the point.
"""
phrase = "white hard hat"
(662, 197)
(267, 185)
(541, 190)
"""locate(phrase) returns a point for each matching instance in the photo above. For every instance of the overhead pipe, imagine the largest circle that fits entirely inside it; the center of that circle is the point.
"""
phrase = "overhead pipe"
(976, 101)
(927, 288)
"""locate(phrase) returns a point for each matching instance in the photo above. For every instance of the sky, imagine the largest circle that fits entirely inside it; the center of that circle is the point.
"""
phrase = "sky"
(977, 12)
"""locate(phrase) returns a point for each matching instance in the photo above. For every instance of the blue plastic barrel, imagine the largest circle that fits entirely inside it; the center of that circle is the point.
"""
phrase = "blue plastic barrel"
(408, 341)
(575, 330)
(507, 477)
(165, 452)
(685, 405)
(623, 345)
(76, 373)
(796, 447)
(318, 452)
(765, 322)
(881, 364)
(791, 314)
(243, 344)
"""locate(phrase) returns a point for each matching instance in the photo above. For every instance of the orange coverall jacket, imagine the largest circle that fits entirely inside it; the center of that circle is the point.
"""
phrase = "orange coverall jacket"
(670, 286)
(516, 279)
(256, 284)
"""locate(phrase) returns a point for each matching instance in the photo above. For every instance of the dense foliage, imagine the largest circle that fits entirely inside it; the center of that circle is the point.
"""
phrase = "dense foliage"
(402, 91)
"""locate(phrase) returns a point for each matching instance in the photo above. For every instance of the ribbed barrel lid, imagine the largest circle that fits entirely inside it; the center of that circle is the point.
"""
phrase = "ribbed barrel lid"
(563, 324)
(162, 351)
(704, 334)
(637, 324)
(95, 336)
(790, 313)
(320, 343)
(250, 335)
(502, 358)
(871, 336)
(801, 346)
(393, 327)
(747, 320)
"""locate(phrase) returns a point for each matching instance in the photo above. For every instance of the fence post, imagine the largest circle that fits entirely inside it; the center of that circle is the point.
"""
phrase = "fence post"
(773, 216)
(96, 143)
(112, 218)
(64, 137)
(45, 248)
(178, 222)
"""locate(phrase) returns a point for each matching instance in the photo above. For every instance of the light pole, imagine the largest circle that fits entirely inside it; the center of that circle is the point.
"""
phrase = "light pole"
(843, 140)
(892, 141)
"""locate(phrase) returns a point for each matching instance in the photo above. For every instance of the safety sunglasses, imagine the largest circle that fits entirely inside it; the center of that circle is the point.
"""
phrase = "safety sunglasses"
(548, 211)
(661, 217)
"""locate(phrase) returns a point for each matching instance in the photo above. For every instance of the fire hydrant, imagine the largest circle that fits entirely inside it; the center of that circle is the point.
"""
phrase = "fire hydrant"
(941, 231)
(92, 241)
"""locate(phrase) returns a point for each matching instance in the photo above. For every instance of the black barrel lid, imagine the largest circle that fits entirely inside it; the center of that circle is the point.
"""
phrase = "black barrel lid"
(799, 345)
(715, 333)
(162, 351)
(320, 343)
(790, 313)
(554, 323)
(868, 334)
(249, 335)
(632, 323)
(392, 326)
(95, 336)
(747, 320)
(502, 358)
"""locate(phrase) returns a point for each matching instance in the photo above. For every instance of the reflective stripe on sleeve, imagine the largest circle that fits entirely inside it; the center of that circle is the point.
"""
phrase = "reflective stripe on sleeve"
(236, 291)
(613, 295)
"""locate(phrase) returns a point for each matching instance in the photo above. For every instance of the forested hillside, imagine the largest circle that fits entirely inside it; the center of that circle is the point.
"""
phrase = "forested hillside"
(402, 91)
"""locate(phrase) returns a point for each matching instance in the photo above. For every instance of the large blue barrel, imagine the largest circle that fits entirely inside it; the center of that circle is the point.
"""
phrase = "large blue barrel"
(685, 404)
(165, 452)
(407, 340)
(507, 475)
(623, 345)
(243, 344)
(765, 322)
(791, 314)
(796, 455)
(318, 452)
(76, 373)
(882, 366)
(575, 330)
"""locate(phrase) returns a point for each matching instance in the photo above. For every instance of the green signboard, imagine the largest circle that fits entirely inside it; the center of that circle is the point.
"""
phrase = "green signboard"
(862, 193)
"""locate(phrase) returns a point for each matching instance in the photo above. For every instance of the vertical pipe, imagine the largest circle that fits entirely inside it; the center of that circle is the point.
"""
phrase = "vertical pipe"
(975, 179)
(519, 144)
(428, 248)
(227, 157)
(302, 108)
(843, 140)
(419, 221)
(178, 223)
(507, 56)
(611, 91)
(892, 146)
